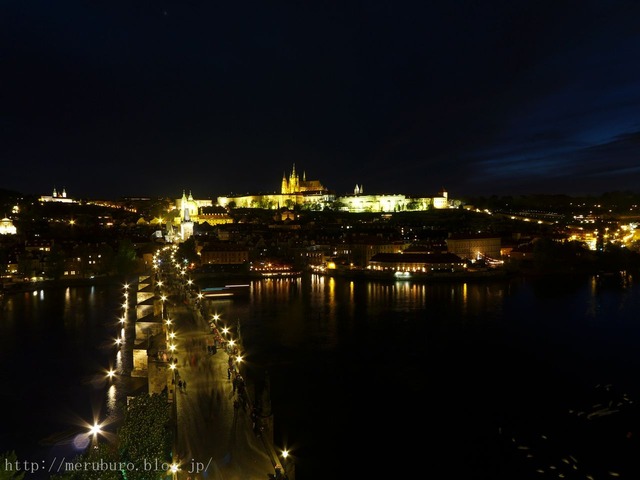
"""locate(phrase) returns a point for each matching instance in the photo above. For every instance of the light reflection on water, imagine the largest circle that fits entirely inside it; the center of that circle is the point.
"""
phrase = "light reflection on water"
(482, 355)
(337, 349)
(54, 346)
(111, 400)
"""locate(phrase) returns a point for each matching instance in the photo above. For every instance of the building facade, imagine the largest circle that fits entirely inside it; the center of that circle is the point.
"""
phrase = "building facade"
(475, 247)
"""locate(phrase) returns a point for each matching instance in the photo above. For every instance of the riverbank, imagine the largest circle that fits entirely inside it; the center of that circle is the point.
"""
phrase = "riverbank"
(61, 283)
(464, 276)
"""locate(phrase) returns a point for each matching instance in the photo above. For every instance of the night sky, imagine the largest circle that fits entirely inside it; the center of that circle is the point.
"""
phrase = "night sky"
(114, 98)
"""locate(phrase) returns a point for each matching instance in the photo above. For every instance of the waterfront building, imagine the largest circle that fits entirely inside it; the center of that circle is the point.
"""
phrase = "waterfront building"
(417, 262)
(475, 247)
(223, 253)
(358, 251)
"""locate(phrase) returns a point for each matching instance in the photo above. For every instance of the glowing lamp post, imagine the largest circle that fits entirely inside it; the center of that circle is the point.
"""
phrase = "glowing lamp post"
(174, 470)
(172, 366)
(289, 466)
(94, 431)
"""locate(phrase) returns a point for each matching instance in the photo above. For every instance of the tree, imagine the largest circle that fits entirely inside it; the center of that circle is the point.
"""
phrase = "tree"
(187, 251)
(413, 204)
(10, 459)
(552, 256)
(125, 259)
(98, 463)
(4, 260)
(616, 258)
(335, 206)
(106, 264)
(25, 265)
(146, 433)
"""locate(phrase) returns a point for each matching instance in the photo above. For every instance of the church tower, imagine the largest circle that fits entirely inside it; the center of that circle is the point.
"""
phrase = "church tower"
(183, 203)
(294, 182)
(186, 227)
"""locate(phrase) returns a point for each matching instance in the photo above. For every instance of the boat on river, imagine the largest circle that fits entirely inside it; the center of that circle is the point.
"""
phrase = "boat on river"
(226, 291)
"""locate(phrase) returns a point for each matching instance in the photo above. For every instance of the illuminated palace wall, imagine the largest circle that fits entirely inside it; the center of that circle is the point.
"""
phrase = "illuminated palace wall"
(351, 203)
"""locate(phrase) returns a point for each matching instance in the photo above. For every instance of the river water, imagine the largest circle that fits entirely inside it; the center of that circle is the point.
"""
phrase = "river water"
(500, 379)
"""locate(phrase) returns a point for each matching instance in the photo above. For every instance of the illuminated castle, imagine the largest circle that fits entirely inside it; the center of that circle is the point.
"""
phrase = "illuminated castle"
(313, 195)
(294, 185)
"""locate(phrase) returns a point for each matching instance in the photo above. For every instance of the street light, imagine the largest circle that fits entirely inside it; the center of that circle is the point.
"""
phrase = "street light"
(174, 470)
(163, 298)
(289, 465)
(172, 366)
(94, 431)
